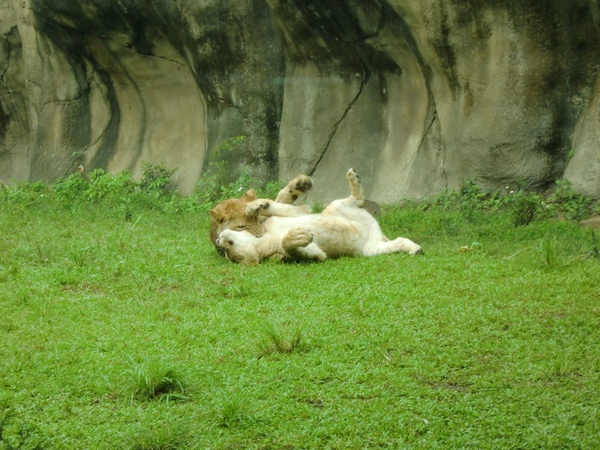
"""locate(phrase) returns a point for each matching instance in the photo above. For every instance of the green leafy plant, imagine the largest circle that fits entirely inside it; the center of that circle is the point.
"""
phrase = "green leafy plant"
(219, 182)
(98, 186)
(470, 199)
(105, 185)
(524, 210)
(211, 187)
(71, 188)
(570, 203)
(24, 194)
(156, 178)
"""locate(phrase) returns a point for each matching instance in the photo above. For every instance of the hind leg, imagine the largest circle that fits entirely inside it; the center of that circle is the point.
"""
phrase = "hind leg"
(405, 245)
(350, 206)
(398, 245)
(294, 189)
(357, 193)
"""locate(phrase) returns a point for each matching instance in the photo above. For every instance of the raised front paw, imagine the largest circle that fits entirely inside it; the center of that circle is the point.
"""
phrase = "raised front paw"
(294, 189)
(254, 208)
(300, 184)
(296, 237)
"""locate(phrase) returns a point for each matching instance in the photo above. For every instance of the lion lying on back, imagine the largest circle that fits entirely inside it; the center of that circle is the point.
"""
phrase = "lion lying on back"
(343, 228)
(231, 214)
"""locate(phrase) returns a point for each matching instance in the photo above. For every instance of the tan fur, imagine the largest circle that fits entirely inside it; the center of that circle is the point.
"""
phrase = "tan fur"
(343, 228)
(231, 214)
(294, 189)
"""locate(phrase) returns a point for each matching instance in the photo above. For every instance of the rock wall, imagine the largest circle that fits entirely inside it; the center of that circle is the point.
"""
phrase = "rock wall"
(432, 92)
(112, 84)
(417, 95)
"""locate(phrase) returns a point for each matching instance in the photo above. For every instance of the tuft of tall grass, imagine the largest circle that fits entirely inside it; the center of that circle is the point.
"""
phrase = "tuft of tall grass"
(155, 382)
(233, 411)
(549, 254)
(274, 341)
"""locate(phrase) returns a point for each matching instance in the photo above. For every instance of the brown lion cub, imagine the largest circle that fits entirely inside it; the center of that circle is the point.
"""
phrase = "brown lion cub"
(231, 214)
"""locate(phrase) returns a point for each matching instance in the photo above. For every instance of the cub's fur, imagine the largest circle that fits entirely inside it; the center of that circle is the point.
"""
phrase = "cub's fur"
(231, 214)
(343, 228)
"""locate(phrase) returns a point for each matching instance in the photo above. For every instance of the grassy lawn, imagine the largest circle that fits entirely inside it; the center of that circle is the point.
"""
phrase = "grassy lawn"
(134, 333)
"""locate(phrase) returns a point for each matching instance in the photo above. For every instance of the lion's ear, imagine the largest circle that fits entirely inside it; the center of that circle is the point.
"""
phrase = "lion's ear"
(215, 215)
(249, 196)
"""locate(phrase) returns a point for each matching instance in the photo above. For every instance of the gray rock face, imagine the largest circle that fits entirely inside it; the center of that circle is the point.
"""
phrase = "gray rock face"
(112, 84)
(416, 95)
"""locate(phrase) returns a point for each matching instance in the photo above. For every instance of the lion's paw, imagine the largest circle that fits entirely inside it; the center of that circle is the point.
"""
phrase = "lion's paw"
(416, 250)
(351, 175)
(301, 184)
(297, 237)
(254, 208)
(356, 190)
(294, 189)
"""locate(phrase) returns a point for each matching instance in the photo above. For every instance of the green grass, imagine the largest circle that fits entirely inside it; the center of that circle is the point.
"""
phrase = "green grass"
(120, 333)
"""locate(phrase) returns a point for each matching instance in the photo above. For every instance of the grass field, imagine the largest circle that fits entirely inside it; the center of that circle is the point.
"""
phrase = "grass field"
(127, 330)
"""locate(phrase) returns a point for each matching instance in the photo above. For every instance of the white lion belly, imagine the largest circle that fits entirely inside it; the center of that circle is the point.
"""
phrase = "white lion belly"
(334, 235)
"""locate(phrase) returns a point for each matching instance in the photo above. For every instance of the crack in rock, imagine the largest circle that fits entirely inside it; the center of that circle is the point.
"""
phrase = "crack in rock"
(85, 91)
(149, 56)
(9, 49)
(363, 82)
(229, 103)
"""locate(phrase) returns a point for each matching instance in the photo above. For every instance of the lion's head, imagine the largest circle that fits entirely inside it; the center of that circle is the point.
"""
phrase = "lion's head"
(231, 214)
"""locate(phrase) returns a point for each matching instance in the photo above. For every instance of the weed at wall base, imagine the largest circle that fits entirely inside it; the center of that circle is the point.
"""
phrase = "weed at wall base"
(564, 203)
(524, 210)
